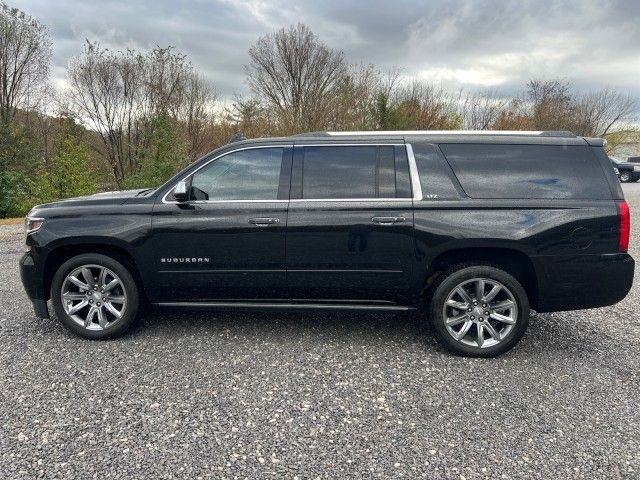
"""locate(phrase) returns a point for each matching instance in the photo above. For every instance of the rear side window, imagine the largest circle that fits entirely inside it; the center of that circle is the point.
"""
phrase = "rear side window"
(527, 171)
(351, 172)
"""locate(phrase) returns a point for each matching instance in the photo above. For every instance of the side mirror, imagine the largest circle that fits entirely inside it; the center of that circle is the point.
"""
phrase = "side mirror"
(181, 193)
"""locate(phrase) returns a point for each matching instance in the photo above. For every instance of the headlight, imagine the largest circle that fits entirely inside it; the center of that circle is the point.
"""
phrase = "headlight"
(616, 171)
(32, 224)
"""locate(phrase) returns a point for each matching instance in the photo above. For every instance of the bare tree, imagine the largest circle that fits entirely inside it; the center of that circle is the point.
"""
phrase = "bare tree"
(118, 94)
(482, 110)
(423, 106)
(598, 112)
(296, 74)
(25, 53)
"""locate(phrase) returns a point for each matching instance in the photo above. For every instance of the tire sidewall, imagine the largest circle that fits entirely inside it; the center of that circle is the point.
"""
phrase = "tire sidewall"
(128, 282)
(457, 275)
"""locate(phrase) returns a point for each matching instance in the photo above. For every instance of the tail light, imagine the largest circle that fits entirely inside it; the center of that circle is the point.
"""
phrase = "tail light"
(625, 226)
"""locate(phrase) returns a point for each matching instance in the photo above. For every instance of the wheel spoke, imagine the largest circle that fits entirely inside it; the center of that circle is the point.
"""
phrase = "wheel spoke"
(451, 321)
(503, 318)
(479, 286)
(113, 283)
(457, 305)
(78, 306)
(116, 299)
(463, 331)
(463, 293)
(492, 331)
(78, 283)
(502, 305)
(102, 276)
(480, 337)
(89, 320)
(88, 276)
(113, 310)
(74, 296)
(102, 319)
(492, 293)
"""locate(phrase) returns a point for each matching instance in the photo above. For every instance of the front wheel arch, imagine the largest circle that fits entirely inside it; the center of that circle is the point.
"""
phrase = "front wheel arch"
(61, 254)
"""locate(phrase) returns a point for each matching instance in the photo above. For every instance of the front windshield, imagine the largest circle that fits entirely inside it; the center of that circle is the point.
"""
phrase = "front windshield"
(614, 159)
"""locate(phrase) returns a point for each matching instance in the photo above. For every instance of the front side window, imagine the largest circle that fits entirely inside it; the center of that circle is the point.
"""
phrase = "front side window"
(252, 174)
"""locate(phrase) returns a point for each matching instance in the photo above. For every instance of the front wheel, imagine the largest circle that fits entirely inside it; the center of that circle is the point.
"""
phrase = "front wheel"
(625, 177)
(95, 296)
(479, 310)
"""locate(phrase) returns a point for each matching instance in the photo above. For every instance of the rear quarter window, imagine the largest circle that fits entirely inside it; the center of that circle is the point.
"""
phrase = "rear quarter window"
(527, 171)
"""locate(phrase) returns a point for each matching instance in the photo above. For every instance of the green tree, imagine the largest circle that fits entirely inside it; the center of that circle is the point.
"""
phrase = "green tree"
(69, 174)
(165, 153)
(19, 156)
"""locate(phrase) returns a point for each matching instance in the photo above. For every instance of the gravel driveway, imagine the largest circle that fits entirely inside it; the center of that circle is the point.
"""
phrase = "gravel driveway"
(329, 395)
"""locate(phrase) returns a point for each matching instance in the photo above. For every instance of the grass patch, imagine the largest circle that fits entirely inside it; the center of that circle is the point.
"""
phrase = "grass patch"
(11, 221)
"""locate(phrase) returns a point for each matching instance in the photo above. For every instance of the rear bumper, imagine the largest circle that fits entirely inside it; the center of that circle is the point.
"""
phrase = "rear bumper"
(582, 281)
(33, 281)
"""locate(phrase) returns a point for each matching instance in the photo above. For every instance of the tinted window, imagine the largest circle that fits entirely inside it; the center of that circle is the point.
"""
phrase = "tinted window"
(527, 171)
(386, 172)
(435, 175)
(403, 178)
(243, 175)
(339, 172)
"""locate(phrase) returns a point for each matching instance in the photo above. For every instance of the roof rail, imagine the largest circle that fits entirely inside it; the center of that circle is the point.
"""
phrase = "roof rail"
(547, 133)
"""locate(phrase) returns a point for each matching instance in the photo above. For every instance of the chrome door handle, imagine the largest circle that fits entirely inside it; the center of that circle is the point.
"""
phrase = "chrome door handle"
(387, 220)
(263, 222)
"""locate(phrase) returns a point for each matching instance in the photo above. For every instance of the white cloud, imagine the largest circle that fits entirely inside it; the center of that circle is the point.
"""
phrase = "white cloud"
(470, 43)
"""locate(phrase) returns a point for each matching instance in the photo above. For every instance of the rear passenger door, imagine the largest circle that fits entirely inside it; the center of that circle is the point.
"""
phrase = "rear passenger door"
(350, 223)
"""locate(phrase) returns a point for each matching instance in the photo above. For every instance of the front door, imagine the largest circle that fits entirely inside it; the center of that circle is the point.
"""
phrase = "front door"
(350, 224)
(227, 242)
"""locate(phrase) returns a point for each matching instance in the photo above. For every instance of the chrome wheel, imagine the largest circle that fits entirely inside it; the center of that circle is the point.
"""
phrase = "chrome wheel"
(480, 312)
(94, 297)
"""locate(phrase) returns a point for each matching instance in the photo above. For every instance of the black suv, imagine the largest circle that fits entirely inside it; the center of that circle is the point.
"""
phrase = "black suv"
(474, 227)
(626, 171)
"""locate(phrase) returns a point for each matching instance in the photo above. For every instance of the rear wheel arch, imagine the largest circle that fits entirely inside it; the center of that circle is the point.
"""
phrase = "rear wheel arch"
(510, 260)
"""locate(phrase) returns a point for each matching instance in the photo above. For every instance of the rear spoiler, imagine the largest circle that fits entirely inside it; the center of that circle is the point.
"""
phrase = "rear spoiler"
(595, 142)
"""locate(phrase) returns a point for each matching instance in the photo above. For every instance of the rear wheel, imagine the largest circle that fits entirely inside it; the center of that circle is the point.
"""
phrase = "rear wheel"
(95, 296)
(479, 310)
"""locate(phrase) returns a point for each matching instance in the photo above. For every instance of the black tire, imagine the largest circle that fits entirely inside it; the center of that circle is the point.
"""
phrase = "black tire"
(128, 286)
(458, 274)
(625, 177)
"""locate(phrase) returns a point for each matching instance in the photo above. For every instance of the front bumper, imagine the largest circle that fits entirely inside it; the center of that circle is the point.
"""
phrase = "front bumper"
(33, 281)
(575, 282)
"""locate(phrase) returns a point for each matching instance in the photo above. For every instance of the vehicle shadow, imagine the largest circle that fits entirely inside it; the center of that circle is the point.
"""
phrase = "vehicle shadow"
(548, 334)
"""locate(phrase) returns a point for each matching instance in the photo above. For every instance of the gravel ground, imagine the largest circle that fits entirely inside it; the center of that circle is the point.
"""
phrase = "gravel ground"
(226, 395)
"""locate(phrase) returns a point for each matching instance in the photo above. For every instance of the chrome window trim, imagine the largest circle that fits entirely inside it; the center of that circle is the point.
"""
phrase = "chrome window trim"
(298, 200)
(413, 173)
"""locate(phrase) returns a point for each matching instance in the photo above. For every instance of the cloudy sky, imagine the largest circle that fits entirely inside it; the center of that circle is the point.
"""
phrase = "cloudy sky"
(473, 44)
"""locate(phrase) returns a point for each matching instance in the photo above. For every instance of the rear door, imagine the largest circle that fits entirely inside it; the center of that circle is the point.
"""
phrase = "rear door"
(350, 223)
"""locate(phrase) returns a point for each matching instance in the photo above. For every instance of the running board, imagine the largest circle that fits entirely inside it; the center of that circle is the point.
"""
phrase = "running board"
(285, 306)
